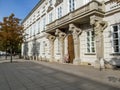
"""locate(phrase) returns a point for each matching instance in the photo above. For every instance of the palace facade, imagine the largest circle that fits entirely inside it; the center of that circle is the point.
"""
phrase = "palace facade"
(82, 32)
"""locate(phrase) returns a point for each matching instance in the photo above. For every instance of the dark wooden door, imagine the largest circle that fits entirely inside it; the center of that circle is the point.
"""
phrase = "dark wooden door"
(71, 48)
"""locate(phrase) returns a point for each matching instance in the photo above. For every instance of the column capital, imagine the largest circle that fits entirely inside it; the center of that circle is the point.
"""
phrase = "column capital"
(98, 24)
(60, 34)
(74, 29)
(50, 37)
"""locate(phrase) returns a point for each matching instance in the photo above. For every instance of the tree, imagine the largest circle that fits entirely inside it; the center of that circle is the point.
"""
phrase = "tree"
(11, 34)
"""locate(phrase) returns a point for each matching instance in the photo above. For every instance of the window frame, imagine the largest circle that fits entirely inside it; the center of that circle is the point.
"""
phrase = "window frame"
(113, 38)
(59, 12)
(91, 38)
(50, 17)
(71, 5)
(44, 23)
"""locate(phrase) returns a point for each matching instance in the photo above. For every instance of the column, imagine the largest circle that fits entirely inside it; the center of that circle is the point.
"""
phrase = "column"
(99, 26)
(61, 36)
(51, 41)
(76, 31)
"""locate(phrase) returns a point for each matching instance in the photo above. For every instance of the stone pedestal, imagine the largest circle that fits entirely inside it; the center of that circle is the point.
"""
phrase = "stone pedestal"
(76, 61)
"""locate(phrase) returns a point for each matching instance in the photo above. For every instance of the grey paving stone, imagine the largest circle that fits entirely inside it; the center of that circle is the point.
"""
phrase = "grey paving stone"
(26, 75)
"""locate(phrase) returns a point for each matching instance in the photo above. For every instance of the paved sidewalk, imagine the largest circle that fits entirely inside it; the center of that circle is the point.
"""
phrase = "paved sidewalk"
(36, 75)
(110, 77)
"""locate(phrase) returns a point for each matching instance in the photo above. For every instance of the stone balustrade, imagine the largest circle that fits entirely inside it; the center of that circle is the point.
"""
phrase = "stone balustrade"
(76, 14)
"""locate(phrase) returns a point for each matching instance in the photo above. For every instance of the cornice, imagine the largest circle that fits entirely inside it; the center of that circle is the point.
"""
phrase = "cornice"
(49, 9)
(58, 2)
(31, 12)
(111, 12)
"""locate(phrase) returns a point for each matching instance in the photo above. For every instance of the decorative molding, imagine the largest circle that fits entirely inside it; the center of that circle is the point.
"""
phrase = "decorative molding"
(60, 34)
(58, 2)
(50, 37)
(98, 24)
(74, 29)
(49, 9)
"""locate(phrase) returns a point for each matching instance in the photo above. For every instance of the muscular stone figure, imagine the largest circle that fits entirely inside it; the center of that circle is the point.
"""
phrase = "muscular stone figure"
(99, 26)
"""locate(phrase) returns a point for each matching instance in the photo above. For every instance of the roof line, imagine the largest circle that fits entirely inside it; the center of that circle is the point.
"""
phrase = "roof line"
(36, 6)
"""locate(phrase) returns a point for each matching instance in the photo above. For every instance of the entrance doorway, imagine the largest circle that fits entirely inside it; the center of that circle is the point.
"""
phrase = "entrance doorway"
(71, 48)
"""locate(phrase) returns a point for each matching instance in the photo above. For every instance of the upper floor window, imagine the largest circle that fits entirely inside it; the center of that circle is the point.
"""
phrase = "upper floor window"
(30, 31)
(44, 23)
(34, 28)
(38, 13)
(50, 17)
(90, 42)
(59, 12)
(50, 2)
(38, 26)
(43, 10)
(116, 38)
(71, 5)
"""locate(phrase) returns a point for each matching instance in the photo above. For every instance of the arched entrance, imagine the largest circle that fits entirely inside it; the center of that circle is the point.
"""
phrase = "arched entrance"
(71, 48)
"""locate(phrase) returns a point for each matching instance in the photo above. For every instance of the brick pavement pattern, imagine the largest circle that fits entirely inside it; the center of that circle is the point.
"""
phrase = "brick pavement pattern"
(29, 75)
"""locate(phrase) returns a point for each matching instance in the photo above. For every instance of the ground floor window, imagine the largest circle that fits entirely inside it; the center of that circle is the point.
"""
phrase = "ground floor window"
(116, 38)
(58, 46)
(90, 42)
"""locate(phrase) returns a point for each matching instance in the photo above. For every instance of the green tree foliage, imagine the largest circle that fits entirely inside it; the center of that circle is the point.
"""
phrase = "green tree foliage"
(11, 34)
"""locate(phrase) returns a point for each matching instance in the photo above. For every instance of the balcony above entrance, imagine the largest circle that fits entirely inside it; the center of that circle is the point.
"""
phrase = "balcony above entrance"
(78, 16)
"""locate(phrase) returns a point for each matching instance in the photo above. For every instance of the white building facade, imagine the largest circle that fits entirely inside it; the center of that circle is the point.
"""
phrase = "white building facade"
(75, 31)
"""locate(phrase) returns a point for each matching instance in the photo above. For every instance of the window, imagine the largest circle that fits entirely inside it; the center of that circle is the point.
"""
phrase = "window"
(116, 38)
(50, 2)
(38, 26)
(34, 26)
(58, 45)
(90, 42)
(50, 17)
(38, 13)
(44, 23)
(71, 5)
(44, 46)
(43, 10)
(59, 12)
(30, 31)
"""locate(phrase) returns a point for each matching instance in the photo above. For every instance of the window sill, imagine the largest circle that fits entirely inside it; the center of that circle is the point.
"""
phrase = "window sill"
(38, 33)
(115, 54)
(57, 53)
(43, 53)
(90, 53)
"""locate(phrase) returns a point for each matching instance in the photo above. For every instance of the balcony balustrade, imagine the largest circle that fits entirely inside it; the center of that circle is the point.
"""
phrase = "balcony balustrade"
(76, 14)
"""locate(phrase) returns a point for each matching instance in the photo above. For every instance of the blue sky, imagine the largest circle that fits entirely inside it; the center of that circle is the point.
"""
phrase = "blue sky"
(19, 7)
